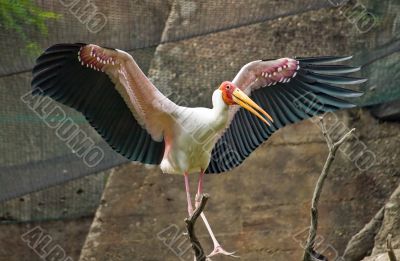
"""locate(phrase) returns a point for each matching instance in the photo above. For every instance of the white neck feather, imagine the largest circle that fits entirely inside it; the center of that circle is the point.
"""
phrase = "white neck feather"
(219, 110)
(218, 103)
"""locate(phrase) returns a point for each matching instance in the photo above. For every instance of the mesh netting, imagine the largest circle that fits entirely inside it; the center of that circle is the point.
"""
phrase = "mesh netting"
(167, 39)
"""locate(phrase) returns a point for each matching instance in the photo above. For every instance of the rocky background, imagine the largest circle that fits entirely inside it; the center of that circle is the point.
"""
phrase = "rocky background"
(260, 209)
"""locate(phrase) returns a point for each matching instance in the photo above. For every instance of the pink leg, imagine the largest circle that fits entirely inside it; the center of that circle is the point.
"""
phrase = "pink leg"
(189, 201)
(217, 247)
(199, 189)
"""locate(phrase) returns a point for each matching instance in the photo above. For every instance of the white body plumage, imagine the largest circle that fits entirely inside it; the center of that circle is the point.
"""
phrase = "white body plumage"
(191, 139)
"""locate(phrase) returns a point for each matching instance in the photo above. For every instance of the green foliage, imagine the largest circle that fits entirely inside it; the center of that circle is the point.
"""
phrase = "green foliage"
(23, 16)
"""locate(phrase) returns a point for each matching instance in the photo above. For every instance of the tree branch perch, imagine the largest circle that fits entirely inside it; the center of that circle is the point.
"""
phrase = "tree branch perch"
(190, 223)
(309, 252)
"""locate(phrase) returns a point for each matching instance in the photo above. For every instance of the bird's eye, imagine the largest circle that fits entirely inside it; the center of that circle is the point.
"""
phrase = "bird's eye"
(228, 87)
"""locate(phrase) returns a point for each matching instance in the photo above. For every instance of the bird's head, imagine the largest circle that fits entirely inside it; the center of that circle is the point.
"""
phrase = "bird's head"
(232, 95)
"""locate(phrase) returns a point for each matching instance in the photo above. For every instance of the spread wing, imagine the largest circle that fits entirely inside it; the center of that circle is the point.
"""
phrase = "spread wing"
(290, 90)
(116, 97)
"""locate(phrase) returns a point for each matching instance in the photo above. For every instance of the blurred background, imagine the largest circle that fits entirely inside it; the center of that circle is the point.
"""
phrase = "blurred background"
(116, 210)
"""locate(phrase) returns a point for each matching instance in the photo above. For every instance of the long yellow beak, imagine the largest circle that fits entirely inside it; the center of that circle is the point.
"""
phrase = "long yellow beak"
(243, 100)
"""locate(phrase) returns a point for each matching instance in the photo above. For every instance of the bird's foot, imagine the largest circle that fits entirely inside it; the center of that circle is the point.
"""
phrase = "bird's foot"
(218, 250)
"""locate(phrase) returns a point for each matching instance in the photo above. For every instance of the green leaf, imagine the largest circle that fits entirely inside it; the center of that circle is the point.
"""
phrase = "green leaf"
(24, 16)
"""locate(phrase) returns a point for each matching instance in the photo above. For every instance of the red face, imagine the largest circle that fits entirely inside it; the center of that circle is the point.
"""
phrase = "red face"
(227, 89)
(233, 95)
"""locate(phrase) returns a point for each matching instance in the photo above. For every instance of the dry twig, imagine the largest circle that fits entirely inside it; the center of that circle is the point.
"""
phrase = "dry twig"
(309, 252)
(190, 222)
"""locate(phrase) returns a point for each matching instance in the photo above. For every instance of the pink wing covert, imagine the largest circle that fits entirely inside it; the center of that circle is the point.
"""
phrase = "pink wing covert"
(263, 73)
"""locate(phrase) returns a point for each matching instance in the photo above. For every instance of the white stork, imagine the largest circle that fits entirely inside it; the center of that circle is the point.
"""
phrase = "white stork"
(139, 122)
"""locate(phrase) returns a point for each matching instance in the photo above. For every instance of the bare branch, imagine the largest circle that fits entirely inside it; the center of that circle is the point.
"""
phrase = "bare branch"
(310, 254)
(325, 132)
(190, 222)
(337, 144)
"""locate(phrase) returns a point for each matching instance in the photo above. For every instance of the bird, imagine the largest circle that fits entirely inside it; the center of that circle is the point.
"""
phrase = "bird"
(107, 86)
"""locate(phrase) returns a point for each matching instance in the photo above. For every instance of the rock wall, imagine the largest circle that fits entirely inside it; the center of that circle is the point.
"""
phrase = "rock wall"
(68, 234)
(372, 241)
(64, 212)
(260, 209)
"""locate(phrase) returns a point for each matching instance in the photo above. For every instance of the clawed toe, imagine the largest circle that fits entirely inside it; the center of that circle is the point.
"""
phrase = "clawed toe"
(218, 250)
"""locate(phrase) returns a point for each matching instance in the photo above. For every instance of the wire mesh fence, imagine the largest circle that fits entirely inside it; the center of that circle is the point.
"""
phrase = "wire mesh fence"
(166, 39)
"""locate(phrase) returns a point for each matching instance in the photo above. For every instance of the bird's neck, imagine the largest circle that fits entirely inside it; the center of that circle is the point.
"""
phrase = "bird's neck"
(218, 103)
(220, 108)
